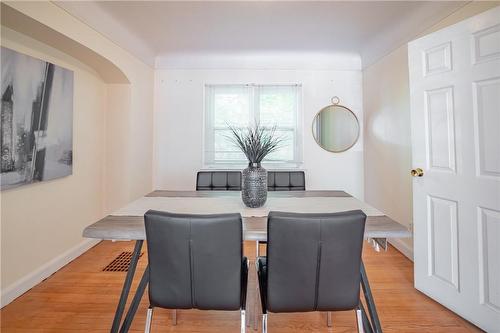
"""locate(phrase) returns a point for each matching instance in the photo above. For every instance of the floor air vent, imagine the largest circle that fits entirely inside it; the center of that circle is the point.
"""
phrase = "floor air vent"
(120, 263)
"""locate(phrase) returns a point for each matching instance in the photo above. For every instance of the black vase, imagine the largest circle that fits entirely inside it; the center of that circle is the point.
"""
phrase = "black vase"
(254, 187)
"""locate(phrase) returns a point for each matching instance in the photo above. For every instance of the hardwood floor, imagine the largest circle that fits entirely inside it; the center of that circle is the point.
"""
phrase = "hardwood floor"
(82, 298)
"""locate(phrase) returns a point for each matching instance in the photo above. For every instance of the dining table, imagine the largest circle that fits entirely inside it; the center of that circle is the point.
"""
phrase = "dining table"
(127, 223)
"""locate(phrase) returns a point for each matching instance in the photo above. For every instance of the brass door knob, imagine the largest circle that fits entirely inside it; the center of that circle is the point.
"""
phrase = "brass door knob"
(417, 172)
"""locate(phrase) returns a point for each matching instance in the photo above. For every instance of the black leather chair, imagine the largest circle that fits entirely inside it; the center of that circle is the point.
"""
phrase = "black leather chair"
(231, 181)
(218, 181)
(196, 262)
(286, 181)
(313, 263)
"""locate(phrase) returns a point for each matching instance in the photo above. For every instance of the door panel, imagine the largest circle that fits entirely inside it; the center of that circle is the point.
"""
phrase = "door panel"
(437, 59)
(455, 115)
(443, 254)
(487, 121)
(440, 129)
(487, 44)
(489, 265)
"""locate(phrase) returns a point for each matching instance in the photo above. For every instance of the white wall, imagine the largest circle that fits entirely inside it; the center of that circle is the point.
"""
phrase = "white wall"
(179, 108)
(42, 224)
(39, 221)
(388, 141)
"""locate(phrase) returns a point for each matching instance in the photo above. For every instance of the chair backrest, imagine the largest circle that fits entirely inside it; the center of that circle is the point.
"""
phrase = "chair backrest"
(313, 261)
(231, 181)
(195, 261)
(218, 181)
(286, 181)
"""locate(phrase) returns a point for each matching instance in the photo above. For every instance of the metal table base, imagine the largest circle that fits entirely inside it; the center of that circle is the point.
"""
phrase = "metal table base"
(115, 328)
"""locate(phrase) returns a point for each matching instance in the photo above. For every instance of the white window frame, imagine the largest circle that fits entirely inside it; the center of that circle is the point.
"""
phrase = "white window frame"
(208, 155)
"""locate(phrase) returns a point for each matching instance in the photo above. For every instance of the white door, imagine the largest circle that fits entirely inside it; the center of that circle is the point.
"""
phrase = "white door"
(455, 115)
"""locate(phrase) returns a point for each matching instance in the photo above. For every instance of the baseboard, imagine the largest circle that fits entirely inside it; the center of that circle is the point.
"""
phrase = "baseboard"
(402, 247)
(32, 279)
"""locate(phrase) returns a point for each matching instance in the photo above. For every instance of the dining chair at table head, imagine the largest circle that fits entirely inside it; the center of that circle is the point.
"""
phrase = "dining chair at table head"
(313, 263)
(286, 181)
(231, 181)
(218, 181)
(195, 262)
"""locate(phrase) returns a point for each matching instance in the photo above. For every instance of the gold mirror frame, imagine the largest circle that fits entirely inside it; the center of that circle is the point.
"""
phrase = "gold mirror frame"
(336, 102)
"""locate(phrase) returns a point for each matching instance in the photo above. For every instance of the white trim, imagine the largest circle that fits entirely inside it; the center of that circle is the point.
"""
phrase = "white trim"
(269, 166)
(260, 60)
(91, 14)
(35, 277)
(402, 247)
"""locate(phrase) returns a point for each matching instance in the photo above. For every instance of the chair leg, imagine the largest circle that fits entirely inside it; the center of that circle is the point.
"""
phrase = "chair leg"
(359, 320)
(264, 323)
(149, 319)
(256, 300)
(329, 319)
(174, 317)
(243, 322)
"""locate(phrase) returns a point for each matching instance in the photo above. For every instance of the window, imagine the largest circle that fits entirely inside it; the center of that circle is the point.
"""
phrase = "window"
(244, 105)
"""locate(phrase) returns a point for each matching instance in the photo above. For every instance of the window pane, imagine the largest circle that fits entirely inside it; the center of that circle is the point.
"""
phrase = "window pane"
(231, 105)
(225, 150)
(278, 105)
(286, 150)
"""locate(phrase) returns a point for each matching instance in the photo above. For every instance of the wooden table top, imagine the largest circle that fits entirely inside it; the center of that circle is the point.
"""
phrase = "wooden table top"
(254, 228)
(271, 194)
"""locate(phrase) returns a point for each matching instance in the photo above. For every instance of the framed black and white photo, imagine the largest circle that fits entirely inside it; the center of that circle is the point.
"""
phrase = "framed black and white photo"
(36, 120)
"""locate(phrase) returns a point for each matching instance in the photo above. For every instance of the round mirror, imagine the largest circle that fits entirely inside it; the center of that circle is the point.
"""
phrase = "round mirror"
(335, 128)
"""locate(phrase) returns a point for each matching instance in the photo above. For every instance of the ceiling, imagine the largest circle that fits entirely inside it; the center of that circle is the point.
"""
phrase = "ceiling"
(159, 30)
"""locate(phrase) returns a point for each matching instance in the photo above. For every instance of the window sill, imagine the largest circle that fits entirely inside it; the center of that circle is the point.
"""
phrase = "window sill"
(267, 166)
